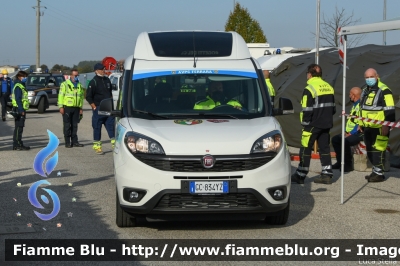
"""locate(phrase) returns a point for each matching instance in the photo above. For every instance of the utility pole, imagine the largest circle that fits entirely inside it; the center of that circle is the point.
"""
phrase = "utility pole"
(317, 35)
(234, 4)
(384, 18)
(317, 54)
(38, 15)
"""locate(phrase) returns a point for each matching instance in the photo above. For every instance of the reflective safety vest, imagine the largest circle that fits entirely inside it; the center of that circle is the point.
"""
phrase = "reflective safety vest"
(271, 89)
(209, 103)
(70, 96)
(24, 100)
(318, 104)
(374, 103)
(352, 122)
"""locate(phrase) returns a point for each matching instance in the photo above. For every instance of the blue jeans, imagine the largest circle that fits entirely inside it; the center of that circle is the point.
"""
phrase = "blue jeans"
(98, 121)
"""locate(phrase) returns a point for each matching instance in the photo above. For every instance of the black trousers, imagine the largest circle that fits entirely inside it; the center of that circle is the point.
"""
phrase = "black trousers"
(348, 142)
(309, 136)
(18, 130)
(71, 120)
(3, 100)
(376, 157)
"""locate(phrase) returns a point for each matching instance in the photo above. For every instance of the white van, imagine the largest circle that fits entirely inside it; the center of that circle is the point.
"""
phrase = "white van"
(196, 136)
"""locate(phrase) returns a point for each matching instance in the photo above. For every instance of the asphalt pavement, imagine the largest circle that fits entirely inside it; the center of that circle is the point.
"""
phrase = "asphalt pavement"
(86, 189)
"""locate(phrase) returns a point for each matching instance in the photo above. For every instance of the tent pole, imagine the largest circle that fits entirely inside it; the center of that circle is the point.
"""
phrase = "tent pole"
(343, 112)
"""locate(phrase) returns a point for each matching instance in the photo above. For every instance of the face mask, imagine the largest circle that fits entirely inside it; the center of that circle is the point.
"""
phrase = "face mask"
(5, 76)
(76, 79)
(370, 81)
(23, 79)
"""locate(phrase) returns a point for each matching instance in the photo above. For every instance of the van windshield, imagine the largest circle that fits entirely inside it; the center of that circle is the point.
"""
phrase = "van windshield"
(234, 96)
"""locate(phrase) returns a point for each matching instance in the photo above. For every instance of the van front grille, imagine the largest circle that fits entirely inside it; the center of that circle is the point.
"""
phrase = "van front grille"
(193, 164)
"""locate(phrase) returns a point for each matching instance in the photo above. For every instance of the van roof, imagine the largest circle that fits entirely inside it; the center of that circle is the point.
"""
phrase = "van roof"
(184, 45)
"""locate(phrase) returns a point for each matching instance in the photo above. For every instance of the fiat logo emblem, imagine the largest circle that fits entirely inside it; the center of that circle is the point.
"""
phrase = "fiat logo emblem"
(208, 161)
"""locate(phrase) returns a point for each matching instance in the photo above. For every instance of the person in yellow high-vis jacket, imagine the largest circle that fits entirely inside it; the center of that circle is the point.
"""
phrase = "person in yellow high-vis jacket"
(352, 133)
(376, 103)
(271, 89)
(20, 102)
(318, 108)
(216, 98)
(70, 102)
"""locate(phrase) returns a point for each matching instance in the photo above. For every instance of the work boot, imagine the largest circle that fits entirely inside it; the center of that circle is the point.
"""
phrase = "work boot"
(97, 147)
(297, 179)
(374, 177)
(21, 148)
(112, 143)
(4, 118)
(68, 145)
(77, 144)
(323, 179)
(99, 151)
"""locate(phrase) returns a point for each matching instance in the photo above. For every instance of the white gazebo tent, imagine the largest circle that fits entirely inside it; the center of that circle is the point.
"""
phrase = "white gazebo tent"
(350, 30)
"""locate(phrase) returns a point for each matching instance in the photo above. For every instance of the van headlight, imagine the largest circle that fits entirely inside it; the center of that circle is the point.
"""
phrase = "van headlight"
(31, 93)
(137, 143)
(271, 142)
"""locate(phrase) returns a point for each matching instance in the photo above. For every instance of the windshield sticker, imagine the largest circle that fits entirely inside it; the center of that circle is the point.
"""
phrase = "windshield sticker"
(188, 122)
(141, 74)
(217, 121)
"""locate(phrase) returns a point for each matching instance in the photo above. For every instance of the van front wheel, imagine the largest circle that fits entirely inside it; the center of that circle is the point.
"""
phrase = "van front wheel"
(124, 219)
(42, 105)
(279, 218)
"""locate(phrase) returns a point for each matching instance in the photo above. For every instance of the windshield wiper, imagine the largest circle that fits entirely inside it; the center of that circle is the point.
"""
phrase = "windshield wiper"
(205, 114)
(152, 114)
(223, 115)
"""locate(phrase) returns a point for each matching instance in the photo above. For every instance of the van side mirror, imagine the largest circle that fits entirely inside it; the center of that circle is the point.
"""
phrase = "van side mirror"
(285, 107)
(106, 108)
(114, 87)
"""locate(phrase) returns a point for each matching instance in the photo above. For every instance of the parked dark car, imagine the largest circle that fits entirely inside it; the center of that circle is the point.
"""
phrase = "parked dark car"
(43, 89)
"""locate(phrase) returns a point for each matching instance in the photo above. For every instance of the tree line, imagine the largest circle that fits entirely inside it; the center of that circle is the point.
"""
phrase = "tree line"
(83, 67)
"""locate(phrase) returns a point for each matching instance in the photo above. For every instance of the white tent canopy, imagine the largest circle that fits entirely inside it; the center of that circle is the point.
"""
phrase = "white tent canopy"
(360, 29)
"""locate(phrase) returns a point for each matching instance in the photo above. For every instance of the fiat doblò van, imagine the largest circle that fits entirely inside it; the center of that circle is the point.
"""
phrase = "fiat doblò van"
(196, 136)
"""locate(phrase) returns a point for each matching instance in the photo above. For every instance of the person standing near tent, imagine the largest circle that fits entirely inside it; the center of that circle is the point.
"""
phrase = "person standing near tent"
(271, 89)
(353, 134)
(376, 103)
(318, 108)
(99, 89)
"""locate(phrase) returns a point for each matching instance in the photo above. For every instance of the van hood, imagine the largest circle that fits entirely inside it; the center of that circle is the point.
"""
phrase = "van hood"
(204, 136)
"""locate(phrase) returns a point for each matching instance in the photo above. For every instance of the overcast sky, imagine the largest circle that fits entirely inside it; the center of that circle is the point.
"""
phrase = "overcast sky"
(77, 30)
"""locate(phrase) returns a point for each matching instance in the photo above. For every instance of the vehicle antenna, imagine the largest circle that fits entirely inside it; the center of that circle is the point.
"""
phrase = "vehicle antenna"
(194, 53)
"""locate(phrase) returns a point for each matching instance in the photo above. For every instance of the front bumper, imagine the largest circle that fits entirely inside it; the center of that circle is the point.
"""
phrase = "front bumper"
(164, 194)
(171, 201)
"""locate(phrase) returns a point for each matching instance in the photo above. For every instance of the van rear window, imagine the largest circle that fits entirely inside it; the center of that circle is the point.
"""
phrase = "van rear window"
(189, 44)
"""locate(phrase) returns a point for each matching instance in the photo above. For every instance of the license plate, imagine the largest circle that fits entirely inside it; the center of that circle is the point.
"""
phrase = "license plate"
(205, 187)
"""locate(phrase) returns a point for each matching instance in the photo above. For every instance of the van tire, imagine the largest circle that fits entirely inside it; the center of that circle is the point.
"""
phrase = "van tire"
(124, 219)
(42, 105)
(280, 218)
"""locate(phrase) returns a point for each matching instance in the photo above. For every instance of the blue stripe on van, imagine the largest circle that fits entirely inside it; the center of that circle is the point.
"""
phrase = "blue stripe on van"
(142, 74)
